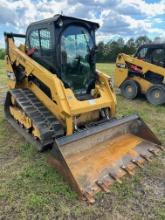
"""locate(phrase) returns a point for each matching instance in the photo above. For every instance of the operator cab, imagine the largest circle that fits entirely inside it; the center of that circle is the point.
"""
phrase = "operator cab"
(152, 53)
(66, 47)
(155, 54)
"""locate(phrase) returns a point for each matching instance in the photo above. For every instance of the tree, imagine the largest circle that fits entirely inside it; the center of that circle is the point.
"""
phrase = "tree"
(107, 52)
(100, 52)
(142, 40)
(2, 54)
(158, 40)
(130, 47)
(116, 48)
(120, 42)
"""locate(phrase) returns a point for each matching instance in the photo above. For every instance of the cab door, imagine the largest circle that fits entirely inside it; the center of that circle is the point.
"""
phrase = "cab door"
(158, 57)
(40, 42)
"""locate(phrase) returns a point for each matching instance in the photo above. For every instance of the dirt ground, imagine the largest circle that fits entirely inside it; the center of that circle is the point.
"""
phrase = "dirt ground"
(31, 189)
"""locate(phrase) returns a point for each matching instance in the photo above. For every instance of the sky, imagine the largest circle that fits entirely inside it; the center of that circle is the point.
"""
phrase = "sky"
(117, 18)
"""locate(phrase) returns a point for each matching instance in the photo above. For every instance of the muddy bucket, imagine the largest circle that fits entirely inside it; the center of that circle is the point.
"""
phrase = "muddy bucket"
(93, 159)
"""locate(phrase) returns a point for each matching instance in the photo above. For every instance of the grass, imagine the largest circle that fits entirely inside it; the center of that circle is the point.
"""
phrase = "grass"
(2, 70)
(106, 68)
(31, 189)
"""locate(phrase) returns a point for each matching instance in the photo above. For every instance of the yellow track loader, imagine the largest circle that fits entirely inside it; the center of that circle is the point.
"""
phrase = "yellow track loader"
(143, 73)
(57, 99)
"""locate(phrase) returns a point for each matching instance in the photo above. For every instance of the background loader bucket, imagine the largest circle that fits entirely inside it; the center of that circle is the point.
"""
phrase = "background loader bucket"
(92, 160)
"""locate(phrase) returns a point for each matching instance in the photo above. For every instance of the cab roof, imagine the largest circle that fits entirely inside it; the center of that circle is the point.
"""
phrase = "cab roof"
(153, 45)
(57, 17)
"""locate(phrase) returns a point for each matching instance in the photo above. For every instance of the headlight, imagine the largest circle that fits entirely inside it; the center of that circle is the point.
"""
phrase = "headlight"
(121, 65)
(11, 75)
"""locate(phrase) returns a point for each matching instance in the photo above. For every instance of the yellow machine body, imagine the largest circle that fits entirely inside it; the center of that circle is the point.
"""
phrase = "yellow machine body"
(141, 68)
(63, 105)
(91, 153)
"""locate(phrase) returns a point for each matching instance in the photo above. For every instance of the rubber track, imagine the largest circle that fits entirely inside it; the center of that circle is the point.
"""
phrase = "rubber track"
(42, 118)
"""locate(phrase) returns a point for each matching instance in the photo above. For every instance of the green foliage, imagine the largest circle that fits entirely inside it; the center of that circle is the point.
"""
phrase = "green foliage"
(2, 54)
(107, 52)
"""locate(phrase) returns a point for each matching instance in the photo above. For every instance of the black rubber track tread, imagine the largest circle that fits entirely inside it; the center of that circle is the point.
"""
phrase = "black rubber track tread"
(43, 119)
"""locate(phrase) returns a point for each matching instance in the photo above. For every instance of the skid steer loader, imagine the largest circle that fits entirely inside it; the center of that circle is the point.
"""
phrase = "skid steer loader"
(143, 73)
(57, 99)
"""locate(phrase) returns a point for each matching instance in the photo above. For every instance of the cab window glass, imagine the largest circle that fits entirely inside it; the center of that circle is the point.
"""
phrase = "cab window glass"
(158, 57)
(142, 53)
(77, 67)
(45, 39)
(34, 39)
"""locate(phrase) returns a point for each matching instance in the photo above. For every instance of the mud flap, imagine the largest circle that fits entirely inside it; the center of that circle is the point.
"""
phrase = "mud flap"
(92, 160)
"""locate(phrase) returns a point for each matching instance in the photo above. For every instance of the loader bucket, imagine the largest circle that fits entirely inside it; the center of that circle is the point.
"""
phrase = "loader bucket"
(93, 159)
